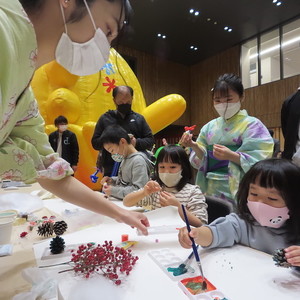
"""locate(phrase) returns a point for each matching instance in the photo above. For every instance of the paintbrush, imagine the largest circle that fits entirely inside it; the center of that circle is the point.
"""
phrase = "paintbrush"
(195, 250)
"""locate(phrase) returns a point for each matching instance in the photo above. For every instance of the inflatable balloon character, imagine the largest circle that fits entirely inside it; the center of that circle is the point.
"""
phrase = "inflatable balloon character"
(82, 100)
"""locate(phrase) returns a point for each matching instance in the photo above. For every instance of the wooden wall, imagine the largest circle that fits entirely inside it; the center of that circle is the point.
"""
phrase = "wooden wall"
(159, 78)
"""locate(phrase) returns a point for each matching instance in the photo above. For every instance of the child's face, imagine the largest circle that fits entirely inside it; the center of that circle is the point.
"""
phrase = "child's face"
(269, 196)
(169, 167)
(114, 148)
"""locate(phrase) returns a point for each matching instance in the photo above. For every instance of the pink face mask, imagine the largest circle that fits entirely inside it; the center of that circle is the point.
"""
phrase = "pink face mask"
(267, 215)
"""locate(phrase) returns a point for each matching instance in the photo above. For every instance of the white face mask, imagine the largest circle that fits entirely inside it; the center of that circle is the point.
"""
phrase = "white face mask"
(227, 110)
(170, 179)
(83, 58)
(62, 128)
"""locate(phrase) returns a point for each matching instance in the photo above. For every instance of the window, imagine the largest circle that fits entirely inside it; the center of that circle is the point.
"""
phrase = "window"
(270, 56)
(291, 49)
(278, 57)
(249, 63)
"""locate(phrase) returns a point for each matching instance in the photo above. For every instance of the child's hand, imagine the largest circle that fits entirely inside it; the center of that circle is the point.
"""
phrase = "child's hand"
(167, 199)
(106, 179)
(292, 255)
(106, 189)
(184, 237)
(151, 187)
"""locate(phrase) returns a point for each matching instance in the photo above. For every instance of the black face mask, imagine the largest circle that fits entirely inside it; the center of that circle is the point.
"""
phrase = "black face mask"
(124, 108)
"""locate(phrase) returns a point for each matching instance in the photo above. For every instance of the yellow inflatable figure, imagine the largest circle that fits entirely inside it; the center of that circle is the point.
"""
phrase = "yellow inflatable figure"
(82, 100)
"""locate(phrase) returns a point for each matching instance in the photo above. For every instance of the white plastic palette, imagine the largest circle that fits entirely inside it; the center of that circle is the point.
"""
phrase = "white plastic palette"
(165, 259)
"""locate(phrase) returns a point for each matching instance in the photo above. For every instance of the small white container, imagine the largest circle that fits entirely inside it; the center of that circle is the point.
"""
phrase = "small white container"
(6, 222)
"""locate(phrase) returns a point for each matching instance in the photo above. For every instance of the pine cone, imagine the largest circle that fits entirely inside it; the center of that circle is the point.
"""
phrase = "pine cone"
(46, 229)
(57, 245)
(280, 259)
(60, 227)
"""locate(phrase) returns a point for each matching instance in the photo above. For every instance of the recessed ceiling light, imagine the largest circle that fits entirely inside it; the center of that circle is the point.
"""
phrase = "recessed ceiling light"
(215, 23)
(274, 1)
(196, 13)
(208, 19)
(226, 28)
(163, 36)
(159, 34)
(278, 3)
(192, 47)
(229, 29)
(192, 11)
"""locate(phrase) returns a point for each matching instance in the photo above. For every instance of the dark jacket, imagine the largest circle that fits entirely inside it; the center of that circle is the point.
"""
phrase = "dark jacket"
(69, 146)
(290, 117)
(133, 123)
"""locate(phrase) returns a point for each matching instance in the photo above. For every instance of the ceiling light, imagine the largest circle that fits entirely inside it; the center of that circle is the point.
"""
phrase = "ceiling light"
(226, 28)
(208, 19)
(194, 48)
(215, 23)
(191, 11)
(274, 1)
(159, 34)
(163, 36)
(196, 13)
(229, 29)
(278, 3)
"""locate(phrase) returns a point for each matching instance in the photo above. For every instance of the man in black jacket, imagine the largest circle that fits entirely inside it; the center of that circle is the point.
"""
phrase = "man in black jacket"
(290, 122)
(134, 123)
(64, 142)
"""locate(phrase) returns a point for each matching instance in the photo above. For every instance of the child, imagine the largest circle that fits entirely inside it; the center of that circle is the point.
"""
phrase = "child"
(268, 213)
(173, 173)
(135, 167)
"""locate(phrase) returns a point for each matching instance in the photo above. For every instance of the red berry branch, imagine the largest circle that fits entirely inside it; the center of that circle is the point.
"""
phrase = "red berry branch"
(105, 259)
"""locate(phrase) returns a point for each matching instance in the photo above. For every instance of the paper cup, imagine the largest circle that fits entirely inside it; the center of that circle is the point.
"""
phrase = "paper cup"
(6, 222)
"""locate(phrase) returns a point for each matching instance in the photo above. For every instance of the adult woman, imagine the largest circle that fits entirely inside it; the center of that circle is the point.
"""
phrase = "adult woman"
(77, 34)
(228, 146)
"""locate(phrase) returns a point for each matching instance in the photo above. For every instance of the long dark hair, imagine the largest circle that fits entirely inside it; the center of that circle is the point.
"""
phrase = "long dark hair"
(177, 155)
(282, 175)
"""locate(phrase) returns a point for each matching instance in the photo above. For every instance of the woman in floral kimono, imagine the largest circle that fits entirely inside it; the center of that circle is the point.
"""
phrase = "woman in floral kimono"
(229, 145)
(77, 33)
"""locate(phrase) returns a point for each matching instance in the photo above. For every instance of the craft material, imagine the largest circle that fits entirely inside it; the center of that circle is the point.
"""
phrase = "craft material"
(164, 229)
(57, 245)
(280, 259)
(182, 268)
(124, 237)
(195, 250)
(168, 260)
(127, 244)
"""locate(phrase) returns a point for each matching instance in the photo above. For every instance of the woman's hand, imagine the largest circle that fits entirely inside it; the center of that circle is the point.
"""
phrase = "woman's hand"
(223, 153)
(151, 187)
(292, 255)
(135, 219)
(168, 199)
(186, 140)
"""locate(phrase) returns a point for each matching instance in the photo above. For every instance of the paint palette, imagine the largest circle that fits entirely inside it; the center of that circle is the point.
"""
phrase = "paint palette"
(192, 287)
(165, 259)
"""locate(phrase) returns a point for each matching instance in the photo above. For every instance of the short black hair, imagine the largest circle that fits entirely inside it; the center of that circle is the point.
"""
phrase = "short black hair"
(177, 155)
(60, 120)
(226, 82)
(113, 134)
(280, 174)
(117, 88)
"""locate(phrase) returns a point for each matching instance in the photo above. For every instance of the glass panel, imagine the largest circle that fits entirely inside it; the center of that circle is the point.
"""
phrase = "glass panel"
(270, 56)
(291, 49)
(249, 64)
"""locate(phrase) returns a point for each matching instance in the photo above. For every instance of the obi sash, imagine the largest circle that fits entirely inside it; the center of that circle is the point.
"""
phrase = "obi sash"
(216, 165)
